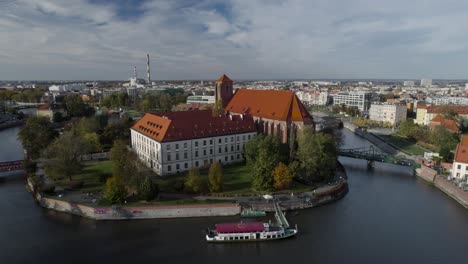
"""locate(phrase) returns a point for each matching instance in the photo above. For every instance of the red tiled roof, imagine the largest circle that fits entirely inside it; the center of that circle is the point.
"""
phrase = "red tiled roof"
(446, 123)
(437, 109)
(461, 154)
(224, 78)
(271, 104)
(240, 227)
(464, 140)
(45, 106)
(186, 125)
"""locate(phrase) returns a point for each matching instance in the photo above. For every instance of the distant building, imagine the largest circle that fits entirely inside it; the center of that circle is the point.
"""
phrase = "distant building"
(447, 100)
(424, 114)
(408, 83)
(313, 97)
(388, 112)
(48, 110)
(202, 99)
(359, 99)
(175, 142)
(223, 89)
(426, 82)
(460, 163)
(448, 124)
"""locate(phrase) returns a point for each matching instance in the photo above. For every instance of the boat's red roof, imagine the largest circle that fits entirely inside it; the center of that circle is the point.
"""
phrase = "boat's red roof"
(240, 227)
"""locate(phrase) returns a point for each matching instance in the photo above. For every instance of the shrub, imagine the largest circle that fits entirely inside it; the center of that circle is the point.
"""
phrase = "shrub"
(148, 190)
(115, 191)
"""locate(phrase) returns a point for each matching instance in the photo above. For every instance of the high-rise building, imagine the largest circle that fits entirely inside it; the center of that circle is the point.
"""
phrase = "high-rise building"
(388, 112)
(408, 83)
(426, 82)
(359, 99)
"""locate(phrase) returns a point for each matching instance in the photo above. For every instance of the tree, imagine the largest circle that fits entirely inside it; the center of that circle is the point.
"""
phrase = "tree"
(148, 190)
(193, 182)
(115, 191)
(116, 131)
(74, 105)
(282, 177)
(58, 117)
(317, 154)
(446, 154)
(215, 177)
(442, 137)
(64, 155)
(218, 108)
(36, 135)
(118, 156)
(263, 154)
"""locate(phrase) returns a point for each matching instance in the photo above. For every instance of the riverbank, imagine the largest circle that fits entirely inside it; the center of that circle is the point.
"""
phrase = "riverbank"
(206, 208)
(443, 184)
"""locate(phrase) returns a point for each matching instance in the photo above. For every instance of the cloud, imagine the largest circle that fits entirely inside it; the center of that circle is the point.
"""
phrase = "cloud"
(191, 39)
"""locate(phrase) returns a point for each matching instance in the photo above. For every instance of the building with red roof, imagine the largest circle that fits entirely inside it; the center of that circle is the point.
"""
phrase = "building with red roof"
(460, 162)
(446, 123)
(48, 110)
(424, 114)
(173, 142)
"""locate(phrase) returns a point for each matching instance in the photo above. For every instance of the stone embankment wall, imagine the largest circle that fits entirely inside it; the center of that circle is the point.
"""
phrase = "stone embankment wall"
(136, 212)
(444, 185)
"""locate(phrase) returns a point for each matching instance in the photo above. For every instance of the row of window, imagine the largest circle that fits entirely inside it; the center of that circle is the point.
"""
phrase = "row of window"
(196, 154)
(168, 147)
(197, 163)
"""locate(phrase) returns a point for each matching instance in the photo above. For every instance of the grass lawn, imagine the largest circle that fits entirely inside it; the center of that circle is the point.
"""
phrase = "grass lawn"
(405, 144)
(93, 176)
(237, 181)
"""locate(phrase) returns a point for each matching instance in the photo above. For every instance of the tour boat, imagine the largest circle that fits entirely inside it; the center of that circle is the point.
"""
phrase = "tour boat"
(252, 231)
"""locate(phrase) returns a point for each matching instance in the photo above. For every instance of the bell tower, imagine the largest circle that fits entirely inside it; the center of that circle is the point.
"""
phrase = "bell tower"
(223, 89)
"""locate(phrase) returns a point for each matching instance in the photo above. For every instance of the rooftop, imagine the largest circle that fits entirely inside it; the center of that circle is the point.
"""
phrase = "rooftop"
(461, 154)
(240, 227)
(224, 78)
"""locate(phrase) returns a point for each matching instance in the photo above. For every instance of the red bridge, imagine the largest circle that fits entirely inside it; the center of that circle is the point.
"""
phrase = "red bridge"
(11, 165)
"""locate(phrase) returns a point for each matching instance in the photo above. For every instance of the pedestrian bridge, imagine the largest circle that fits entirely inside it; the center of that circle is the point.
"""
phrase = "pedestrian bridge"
(372, 154)
(11, 165)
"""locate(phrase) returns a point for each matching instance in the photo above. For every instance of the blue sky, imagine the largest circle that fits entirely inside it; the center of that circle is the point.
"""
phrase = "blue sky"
(246, 39)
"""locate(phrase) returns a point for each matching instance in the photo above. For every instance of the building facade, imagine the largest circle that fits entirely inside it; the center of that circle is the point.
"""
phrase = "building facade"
(424, 113)
(388, 112)
(359, 99)
(460, 162)
(313, 97)
(175, 142)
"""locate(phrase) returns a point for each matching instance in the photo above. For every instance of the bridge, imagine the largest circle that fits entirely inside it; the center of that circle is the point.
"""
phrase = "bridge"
(373, 154)
(11, 165)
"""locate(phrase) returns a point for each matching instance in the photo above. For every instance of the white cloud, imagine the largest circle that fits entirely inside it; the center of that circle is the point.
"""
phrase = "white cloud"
(74, 39)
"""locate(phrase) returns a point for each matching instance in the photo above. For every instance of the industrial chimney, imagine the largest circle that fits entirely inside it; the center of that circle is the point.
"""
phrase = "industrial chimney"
(148, 76)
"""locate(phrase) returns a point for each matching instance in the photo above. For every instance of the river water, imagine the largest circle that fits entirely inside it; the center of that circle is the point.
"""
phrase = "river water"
(388, 216)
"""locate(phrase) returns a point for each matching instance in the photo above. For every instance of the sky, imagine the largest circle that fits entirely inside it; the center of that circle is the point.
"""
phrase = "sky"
(245, 39)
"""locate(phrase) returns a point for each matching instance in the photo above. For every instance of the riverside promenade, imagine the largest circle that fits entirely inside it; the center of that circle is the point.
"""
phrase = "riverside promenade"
(443, 184)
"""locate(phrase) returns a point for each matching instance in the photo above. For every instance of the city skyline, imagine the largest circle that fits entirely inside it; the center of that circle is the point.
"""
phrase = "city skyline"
(296, 39)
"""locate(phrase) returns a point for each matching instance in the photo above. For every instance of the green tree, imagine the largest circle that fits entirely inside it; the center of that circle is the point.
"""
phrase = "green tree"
(36, 135)
(193, 182)
(58, 117)
(446, 154)
(118, 156)
(116, 131)
(215, 177)
(115, 191)
(282, 177)
(148, 190)
(64, 155)
(218, 108)
(317, 154)
(442, 137)
(74, 105)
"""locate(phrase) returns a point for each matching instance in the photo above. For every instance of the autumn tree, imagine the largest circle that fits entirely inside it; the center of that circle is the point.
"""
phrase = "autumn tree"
(215, 177)
(193, 182)
(282, 177)
(36, 135)
(115, 191)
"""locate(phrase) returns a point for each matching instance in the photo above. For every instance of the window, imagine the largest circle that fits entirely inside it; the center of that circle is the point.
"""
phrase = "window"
(459, 167)
(219, 141)
(185, 155)
(196, 163)
(238, 156)
(220, 150)
(238, 138)
(211, 142)
(225, 149)
(232, 139)
(185, 145)
(196, 153)
(177, 156)
(243, 137)
(204, 142)
(168, 157)
(249, 137)
(238, 147)
(225, 140)
(168, 147)
(204, 152)
(169, 168)
(226, 158)
(176, 146)
(232, 157)
(186, 165)
(232, 148)
(196, 143)
(177, 166)
(211, 151)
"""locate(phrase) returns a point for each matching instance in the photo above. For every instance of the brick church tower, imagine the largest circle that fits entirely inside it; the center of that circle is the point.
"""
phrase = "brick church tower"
(223, 89)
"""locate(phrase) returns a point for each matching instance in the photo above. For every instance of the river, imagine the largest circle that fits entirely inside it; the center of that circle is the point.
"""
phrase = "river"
(388, 216)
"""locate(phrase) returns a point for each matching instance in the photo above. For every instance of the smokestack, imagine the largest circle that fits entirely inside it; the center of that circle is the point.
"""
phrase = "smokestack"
(148, 76)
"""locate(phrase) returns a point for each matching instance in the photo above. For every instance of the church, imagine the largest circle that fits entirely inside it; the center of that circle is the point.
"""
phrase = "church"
(175, 142)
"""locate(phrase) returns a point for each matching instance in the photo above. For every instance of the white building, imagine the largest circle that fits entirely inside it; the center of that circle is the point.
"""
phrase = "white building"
(388, 112)
(202, 99)
(426, 82)
(408, 83)
(175, 142)
(359, 99)
(460, 162)
(313, 97)
(447, 100)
